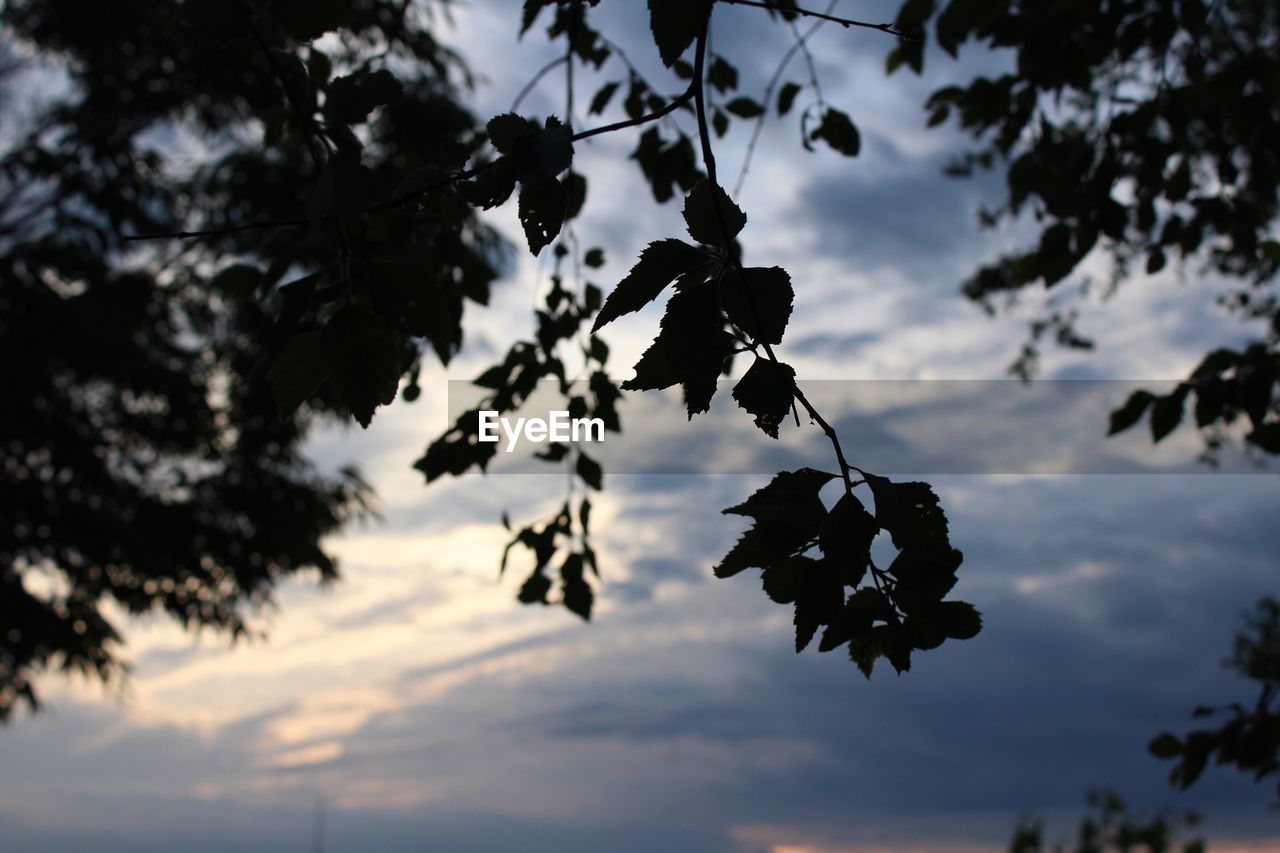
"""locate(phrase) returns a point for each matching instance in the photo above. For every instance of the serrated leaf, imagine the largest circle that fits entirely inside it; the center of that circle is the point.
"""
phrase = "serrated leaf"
(297, 372)
(362, 357)
(911, 513)
(790, 499)
(1131, 412)
(711, 216)
(690, 349)
(787, 97)
(506, 131)
(819, 600)
(758, 301)
(959, 619)
(765, 392)
(542, 210)
(845, 538)
(675, 24)
(660, 264)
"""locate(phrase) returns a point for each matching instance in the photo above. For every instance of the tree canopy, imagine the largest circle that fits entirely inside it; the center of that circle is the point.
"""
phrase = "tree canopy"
(232, 219)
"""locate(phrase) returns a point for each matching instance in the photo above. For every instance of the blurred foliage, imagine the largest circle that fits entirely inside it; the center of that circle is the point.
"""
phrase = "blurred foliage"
(1250, 737)
(145, 466)
(1111, 826)
(1143, 131)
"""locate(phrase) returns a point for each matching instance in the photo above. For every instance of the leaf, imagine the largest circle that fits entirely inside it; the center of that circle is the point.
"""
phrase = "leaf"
(543, 154)
(542, 211)
(577, 594)
(506, 131)
(819, 600)
(722, 75)
(1131, 412)
(745, 107)
(590, 471)
(594, 258)
(1166, 413)
(911, 513)
(959, 620)
(492, 187)
(845, 539)
(790, 499)
(298, 372)
(765, 392)
(690, 350)
(362, 356)
(660, 264)
(711, 216)
(758, 301)
(535, 589)
(602, 98)
(839, 132)
(675, 24)
(787, 97)
(351, 98)
(1165, 745)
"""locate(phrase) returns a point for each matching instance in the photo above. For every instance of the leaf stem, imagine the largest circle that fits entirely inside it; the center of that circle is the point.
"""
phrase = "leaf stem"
(809, 13)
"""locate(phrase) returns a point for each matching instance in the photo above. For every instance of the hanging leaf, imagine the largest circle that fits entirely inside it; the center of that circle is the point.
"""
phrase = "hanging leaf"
(542, 211)
(659, 265)
(787, 97)
(839, 132)
(711, 216)
(362, 355)
(298, 372)
(845, 539)
(765, 392)
(350, 99)
(758, 301)
(675, 24)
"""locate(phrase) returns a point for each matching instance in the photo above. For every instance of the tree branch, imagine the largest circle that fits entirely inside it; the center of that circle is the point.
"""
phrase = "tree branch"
(809, 13)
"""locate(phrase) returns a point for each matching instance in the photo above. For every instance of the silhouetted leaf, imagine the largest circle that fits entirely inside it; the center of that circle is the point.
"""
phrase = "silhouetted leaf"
(722, 75)
(298, 372)
(491, 188)
(758, 301)
(362, 356)
(590, 471)
(1165, 745)
(1131, 412)
(845, 539)
(745, 107)
(542, 211)
(659, 265)
(787, 97)
(711, 216)
(351, 98)
(690, 350)
(765, 392)
(675, 24)
(839, 132)
(819, 600)
(600, 102)
(578, 595)
(959, 620)
(1166, 413)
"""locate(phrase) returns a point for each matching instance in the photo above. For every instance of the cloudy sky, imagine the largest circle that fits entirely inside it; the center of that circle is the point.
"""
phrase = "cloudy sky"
(416, 706)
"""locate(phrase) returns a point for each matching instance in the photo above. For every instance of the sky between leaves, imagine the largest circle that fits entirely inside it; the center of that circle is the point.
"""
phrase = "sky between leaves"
(418, 701)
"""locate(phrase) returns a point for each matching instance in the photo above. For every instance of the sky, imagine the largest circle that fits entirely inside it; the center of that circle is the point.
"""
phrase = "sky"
(415, 705)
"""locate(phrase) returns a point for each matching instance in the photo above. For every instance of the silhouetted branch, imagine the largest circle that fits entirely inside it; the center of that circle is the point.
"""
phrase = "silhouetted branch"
(809, 13)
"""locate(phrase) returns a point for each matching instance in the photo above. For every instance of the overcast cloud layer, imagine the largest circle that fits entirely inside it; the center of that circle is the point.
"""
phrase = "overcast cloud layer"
(416, 705)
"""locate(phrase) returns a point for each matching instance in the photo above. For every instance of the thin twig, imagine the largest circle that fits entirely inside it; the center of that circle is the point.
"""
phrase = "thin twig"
(809, 13)
(537, 77)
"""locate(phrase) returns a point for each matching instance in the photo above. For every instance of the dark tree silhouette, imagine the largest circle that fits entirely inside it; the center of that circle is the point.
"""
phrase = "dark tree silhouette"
(1144, 131)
